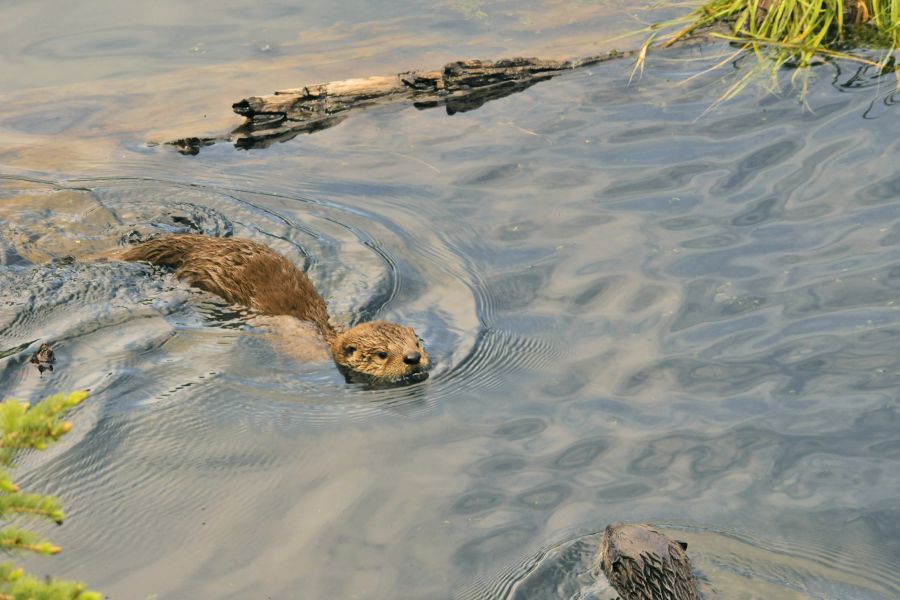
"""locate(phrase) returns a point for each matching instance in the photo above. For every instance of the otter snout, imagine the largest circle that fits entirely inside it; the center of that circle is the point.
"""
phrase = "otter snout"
(412, 358)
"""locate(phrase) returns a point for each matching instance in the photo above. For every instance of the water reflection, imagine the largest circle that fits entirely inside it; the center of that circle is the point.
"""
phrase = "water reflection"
(635, 314)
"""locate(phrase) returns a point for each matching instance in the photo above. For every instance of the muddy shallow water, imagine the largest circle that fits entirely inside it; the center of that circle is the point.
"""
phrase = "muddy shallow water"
(637, 311)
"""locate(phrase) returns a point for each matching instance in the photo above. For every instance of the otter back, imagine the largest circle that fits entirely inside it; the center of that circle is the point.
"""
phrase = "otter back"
(643, 564)
(241, 271)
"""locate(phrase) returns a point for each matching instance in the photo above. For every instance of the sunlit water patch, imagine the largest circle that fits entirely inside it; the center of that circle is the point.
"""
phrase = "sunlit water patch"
(639, 311)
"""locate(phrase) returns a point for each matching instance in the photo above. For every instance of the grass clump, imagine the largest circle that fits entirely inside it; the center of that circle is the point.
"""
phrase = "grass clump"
(24, 427)
(802, 27)
(794, 32)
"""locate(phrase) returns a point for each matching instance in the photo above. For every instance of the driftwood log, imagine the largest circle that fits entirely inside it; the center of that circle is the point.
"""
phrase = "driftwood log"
(460, 86)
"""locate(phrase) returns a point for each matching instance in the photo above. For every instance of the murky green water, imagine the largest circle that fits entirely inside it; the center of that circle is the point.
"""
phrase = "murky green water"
(637, 311)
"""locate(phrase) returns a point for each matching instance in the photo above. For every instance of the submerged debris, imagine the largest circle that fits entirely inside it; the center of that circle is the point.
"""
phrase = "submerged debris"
(43, 358)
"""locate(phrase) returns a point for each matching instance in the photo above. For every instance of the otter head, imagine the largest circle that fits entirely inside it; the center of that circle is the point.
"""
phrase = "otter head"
(379, 352)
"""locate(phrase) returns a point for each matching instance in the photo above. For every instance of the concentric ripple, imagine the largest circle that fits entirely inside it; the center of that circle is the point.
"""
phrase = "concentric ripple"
(728, 564)
(638, 309)
(351, 256)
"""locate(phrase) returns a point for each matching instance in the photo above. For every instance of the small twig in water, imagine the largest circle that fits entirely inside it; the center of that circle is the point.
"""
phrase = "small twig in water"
(418, 160)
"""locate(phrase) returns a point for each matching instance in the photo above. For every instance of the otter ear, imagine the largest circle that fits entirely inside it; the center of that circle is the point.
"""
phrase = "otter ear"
(348, 350)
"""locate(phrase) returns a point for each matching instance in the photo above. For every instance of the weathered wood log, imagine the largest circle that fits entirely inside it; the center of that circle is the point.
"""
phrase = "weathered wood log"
(459, 86)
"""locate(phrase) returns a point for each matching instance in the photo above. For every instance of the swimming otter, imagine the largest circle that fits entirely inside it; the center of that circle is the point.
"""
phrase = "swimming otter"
(643, 564)
(249, 273)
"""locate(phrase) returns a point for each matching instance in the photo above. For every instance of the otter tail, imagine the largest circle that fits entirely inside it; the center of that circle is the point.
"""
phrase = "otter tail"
(168, 251)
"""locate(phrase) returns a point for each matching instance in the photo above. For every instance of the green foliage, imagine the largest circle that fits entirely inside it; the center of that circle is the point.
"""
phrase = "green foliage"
(794, 32)
(32, 427)
(800, 28)
(17, 585)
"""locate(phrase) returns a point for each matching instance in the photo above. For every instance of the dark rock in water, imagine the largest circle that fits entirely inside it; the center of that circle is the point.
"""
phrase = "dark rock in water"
(643, 564)
(43, 358)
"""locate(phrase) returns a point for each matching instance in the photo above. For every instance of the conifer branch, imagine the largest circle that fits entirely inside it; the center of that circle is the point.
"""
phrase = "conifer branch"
(23, 426)
(12, 539)
(31, 504)
(6, 483)
(32, 427)
(15, 584)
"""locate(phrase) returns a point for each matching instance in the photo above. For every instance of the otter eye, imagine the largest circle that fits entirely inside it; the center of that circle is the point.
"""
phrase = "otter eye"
(349, 350)
(382, 355)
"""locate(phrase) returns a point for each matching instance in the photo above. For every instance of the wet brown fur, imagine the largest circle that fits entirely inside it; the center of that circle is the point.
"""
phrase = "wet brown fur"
(643, 564)
(252, 274)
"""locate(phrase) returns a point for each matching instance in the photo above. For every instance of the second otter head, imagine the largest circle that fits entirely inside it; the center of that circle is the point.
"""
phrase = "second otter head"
(380, 352)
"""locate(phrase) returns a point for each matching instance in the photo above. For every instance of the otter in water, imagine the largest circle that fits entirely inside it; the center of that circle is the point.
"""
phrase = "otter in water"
(643, 564)
(249, 273)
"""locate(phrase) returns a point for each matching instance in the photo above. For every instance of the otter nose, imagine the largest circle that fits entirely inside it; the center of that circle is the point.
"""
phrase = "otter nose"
(412, 358)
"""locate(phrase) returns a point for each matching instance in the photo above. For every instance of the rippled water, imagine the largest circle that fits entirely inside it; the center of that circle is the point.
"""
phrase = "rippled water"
(637, 310)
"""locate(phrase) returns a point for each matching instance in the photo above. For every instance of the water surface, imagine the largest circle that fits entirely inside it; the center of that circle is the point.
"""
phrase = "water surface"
(638, 310)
